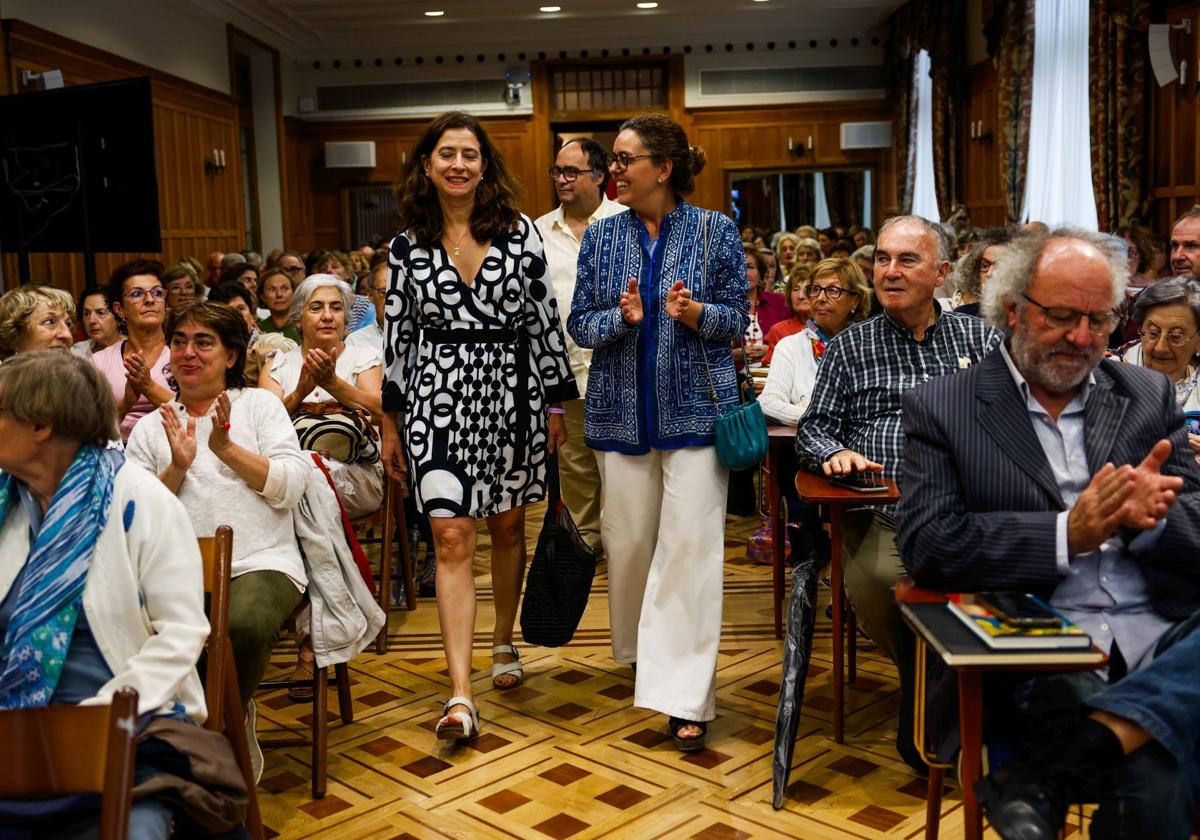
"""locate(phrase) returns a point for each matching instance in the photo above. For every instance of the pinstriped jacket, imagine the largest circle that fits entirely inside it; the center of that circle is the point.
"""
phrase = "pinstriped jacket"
(980, 500)
(648, 387)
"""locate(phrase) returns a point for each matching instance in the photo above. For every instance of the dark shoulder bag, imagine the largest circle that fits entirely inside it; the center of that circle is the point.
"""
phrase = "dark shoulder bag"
(741, 432)
(560, 574)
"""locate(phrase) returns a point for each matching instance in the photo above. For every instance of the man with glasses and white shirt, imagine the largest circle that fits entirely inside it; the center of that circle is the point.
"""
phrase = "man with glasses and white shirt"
(580, 175)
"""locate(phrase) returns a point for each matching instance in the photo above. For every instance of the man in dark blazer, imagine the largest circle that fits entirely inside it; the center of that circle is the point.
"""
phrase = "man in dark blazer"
(1047, 469)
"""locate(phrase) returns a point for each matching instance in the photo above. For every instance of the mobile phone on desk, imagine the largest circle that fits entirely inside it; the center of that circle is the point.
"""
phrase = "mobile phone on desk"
(860, 482)
(1019, 609)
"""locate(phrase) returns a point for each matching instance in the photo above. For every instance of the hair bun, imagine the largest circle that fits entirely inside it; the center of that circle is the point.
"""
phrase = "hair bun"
(698, 159)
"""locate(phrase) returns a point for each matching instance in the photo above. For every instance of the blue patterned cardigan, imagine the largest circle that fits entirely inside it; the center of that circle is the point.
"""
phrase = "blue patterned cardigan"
(647, 388)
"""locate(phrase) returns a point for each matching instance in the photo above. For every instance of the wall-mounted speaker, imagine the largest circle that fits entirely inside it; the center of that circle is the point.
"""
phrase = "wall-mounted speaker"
(866, 135)
(349, 155)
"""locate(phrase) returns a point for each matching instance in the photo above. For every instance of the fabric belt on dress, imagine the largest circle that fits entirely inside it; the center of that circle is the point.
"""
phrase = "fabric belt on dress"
(522, 399)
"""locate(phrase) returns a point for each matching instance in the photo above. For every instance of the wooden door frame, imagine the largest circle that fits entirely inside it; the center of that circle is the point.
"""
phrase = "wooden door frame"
(231, 33)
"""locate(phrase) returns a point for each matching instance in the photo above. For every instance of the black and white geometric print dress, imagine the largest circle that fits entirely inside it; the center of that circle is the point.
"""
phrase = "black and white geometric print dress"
(471, 369)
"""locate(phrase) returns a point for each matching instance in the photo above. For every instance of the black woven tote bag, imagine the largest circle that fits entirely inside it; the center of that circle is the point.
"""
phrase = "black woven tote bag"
(560, 576)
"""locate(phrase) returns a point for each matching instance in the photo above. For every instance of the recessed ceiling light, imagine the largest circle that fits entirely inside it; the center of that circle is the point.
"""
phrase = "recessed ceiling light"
(647, 5)
(550, 8)
(434, 14)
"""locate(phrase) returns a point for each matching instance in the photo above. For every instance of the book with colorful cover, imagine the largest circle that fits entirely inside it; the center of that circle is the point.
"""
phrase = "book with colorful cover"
(1000, 635)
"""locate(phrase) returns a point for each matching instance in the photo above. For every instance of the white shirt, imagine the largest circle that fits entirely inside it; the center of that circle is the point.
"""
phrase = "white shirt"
(285, 368)
(562, 258)
(264, 538)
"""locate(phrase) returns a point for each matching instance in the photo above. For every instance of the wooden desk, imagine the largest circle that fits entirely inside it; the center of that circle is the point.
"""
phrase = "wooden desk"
(778, 439)
(814, 489)
(962, 650)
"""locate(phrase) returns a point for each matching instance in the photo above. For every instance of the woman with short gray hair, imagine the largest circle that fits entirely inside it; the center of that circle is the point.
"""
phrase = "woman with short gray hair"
(1169, 341)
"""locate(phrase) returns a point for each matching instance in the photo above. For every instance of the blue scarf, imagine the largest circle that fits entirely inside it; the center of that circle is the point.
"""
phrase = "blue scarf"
(51, 590)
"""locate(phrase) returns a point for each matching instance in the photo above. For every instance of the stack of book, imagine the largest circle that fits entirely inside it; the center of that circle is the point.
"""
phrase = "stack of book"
(1000, 634)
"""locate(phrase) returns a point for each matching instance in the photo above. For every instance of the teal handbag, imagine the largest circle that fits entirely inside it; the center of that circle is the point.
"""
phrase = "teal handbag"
(741, 432)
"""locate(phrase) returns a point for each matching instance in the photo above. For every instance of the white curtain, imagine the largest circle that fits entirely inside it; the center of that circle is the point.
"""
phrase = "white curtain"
(925, 201)
(1058, 182)
(820, 205)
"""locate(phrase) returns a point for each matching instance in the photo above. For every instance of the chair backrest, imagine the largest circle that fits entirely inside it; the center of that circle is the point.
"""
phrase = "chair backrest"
(57, 750)
(216, 552)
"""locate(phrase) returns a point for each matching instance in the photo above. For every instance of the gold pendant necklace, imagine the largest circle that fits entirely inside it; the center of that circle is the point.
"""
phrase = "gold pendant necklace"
(456, 250)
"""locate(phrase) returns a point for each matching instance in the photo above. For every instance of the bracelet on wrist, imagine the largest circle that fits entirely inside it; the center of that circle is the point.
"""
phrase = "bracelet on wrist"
(555, 410)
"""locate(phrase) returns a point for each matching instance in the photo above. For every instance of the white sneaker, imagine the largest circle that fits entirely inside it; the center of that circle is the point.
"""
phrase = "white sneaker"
(256, 753)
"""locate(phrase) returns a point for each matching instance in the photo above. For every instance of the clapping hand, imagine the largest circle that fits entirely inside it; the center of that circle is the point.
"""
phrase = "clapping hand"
(678, 299)
(137, 373)
(1153, 493)
(181, 439)
(306, 384)
(218, 438)
(631, 304)
(322, 366)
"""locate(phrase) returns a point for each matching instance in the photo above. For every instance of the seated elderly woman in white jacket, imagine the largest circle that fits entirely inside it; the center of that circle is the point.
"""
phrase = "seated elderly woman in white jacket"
(232, 458)
(100, 575)
(839, 295)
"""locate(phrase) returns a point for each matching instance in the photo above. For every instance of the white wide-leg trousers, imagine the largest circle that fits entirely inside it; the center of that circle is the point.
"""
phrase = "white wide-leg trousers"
(663, 529)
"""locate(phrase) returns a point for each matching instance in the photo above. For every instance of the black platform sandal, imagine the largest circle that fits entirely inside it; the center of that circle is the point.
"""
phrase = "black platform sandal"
(688, 745)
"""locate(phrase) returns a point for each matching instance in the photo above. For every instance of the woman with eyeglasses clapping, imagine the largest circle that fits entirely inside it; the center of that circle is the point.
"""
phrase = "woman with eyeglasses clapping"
(138, 369)
(838, 294)
(660, 294)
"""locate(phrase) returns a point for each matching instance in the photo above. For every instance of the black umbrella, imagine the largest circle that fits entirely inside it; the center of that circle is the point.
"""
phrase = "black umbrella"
(797, 650)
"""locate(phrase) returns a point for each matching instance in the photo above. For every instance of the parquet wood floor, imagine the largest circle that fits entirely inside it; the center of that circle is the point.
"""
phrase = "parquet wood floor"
(567, 756)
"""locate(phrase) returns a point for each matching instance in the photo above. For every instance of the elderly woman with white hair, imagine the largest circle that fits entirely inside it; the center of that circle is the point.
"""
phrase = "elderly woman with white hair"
(35, 318)
(1169, 342)
(332, 391)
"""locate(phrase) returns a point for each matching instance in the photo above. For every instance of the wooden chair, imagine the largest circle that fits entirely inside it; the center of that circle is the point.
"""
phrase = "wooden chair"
(389, 526)
(221, 692)
(319, 738)
(58, 750)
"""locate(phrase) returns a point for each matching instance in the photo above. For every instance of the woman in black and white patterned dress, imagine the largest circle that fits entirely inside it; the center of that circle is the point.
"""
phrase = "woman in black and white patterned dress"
(475, 370)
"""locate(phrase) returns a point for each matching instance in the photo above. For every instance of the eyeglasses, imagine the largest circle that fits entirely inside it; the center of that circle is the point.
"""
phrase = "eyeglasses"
(621, 160)
(1062, 318)
(158, 293)
(831, 292)
(568, 173)
(295, 269)
(1175, 338)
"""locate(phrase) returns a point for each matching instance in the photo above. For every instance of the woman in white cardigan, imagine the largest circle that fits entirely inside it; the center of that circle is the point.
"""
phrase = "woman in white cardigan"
(840, 296)
(100, 583)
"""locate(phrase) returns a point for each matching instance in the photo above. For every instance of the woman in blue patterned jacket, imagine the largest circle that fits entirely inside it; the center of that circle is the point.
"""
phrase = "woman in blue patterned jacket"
(661, 293)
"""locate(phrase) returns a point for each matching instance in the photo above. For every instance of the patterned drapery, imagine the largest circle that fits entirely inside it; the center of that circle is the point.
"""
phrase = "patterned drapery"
(935, 26)
(1117, 71)
(1013, 19)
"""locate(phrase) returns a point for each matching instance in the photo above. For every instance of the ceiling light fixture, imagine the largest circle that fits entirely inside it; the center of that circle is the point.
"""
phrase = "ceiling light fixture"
(549, 9)
(434, 14)
(647, 5)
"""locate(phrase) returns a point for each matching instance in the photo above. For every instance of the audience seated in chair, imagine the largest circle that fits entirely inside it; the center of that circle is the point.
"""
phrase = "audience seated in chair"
(97, 594)
(231, 457)
(852, 423)
(1049, 469)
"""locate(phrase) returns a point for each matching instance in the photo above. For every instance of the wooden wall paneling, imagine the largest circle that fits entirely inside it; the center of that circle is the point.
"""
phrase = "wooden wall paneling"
(756, 138)
(197, 212)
